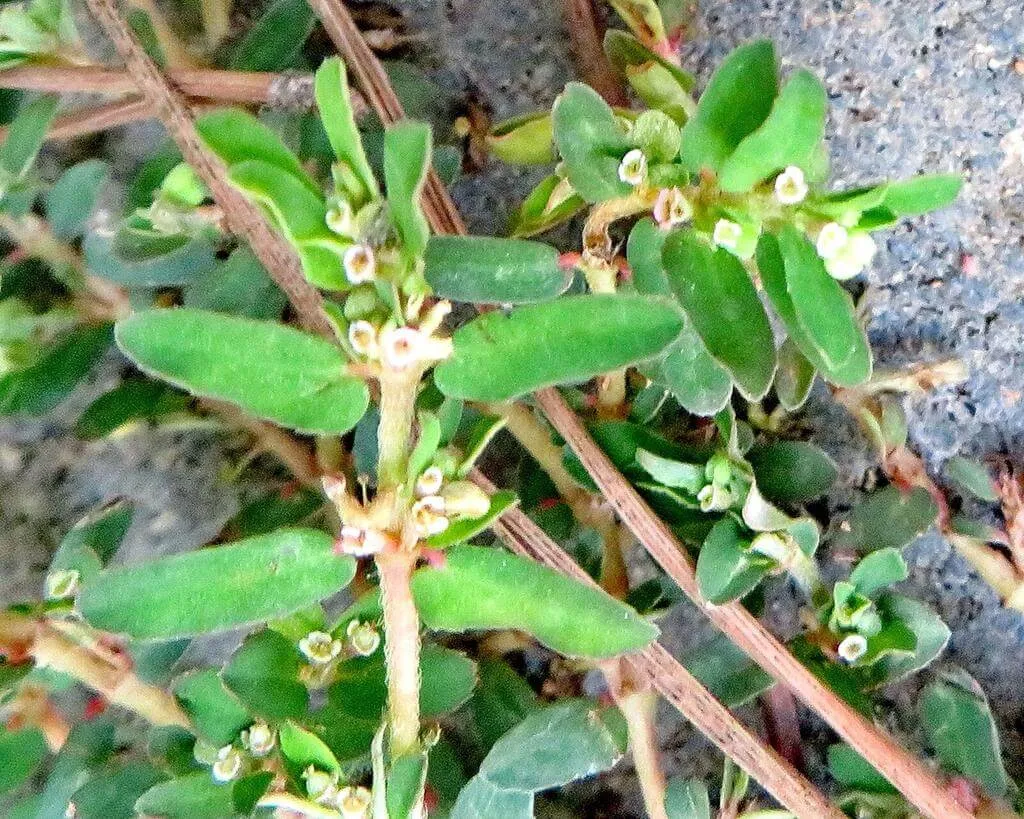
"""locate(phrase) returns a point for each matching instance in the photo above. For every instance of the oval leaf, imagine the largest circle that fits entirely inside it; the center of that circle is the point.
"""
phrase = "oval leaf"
(273, 371)
(497, 357)
(485, 270)
(591, 143)
(481, 588)
(217, 588)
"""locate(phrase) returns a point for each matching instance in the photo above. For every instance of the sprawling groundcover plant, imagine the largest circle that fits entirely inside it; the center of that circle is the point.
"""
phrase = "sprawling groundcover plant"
(688, 326)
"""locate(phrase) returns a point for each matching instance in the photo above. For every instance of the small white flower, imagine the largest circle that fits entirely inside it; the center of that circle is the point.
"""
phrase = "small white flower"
(362, 335)
(62, 583)
(319, 647)
(228, 764)
(401, 347)
(672, 208)
(354, 802)
(428, 516)
(259, 739)
(713, 498)
(831, 240)
(773, 545)
(790, 186)
(727, 234)
(852, 648)
(320, 785)
(359, 542)
(359, 263)
(633, 168)
(855, 255)
(429, 482)
(363, 637)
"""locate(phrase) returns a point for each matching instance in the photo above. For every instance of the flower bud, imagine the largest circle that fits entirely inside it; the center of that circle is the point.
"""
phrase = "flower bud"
(259, 739)
(672, 208)
(428, 515)
(359, 263)
(852, 648)
(341, 219)
(465, 499)
(363, 337)
(714, 498)
(228, 764)
(633, 168)
(361, 302)
(429, 482)
(62, 584)
(319, 647)
(657, 135)
(790, 186)
(363, 637)
(354, 802)
(334, 488)
(727, 234)
(319, 784)
(774, 545)
(831, 240)
(359, 542)
(852, 258)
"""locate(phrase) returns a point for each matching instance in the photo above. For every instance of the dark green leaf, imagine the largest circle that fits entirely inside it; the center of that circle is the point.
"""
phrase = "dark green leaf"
(195, 796)
(793, 129)
(69, 203)
(130, 402)
(930, 633)
(272, 371)
(482, 798)
(480, 588)
(502, 700)
(723, 306)
(878, 570)
(239, 285)
(274, 510)
(93, 541)
(726, 671)
(215, 713)
(405, 781)
(25, 137)
(41, 387)
(112, 794)
(485, 270)
(156, 260)
(276, 39)
(219, 588)
(735, 103)
(264, 674)
(851, 770)
(725, 570)
(888, 518)
(574, 338)
(21, 752)
(687, 799)
(591, 143)
(792, 471)
(972, 476)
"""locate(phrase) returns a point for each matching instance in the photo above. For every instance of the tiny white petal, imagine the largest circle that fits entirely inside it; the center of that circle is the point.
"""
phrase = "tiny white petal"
(429, 482)
(401, 347)
(790, 186)
(727, 234)
(832, 239)
(359, 263)
(319, 647)
(852, 647)
(228, 764)
(863, 248)
(633, 168)
(362, 335)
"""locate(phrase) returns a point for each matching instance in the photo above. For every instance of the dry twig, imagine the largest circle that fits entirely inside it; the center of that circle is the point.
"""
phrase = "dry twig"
(586, 36)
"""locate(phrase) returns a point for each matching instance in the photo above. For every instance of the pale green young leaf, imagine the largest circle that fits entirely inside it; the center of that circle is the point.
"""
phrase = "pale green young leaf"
(552, 202)
(643, 18)
(523, 140)
(270, 370)
(795, 376)
(21, 752)
(302, 748)
(25, 137)
(405, 780)
(687, 799)
(591, 143)
(216, 589)
(722, 304)
(931, 636)
(296, 210)
(479, 588)
(465, 529)
(921, 194)
(134, 401)
(333, 99)
(973, 477)
(735, 103)
(794, 128)
(93, 541)
(574, 338)
(406, 162)
(485, 270)
(660, 84)
(879, 570)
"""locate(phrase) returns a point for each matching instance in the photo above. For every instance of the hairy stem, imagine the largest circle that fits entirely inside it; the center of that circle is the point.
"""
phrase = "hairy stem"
(638, 708)
(401, 650)
(397, 409)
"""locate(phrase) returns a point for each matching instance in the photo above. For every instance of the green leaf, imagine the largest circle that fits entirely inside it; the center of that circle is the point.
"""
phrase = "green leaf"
(25, 137)
(302, 748)
(44, 385)
(93, 541)
(239, 285)
(276, 39)
(794, 128)
(70, 202)
(888, 518)
(195, 796)
(236, 136)
(217, 716)
(523, 140)
(591, 143)
(726, 671)
(485, 270)
(130, 402)
(851, 770)
(148, 260)
(879, 570)
(448, 679)
(21, 752)
(921, 194)
(406, 162)
(112, 794)
(642, 17)
(464, 529)
(549, 204)
(574, 338)
(553, 746)
(792, 471)
(218, 588)
(481, 798)
(502, 700)
(296, 210)
(660, 84)
(737, 100)
(722, 304)
(972, 476)
(405, 781)
(794, 377)
(333, 99)
(959, 725)
(686, 368)
(687, 799)
(668, 472)
(481, 588)
(274, 372)
(725, 569)
(264, 674)
(931, 635)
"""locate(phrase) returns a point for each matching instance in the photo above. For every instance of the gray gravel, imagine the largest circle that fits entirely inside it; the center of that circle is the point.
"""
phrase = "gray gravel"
(917, 85)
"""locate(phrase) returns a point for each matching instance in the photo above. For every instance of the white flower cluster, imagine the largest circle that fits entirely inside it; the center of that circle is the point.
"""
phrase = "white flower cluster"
(360, 264)
(398, 348)
(852, 647)
(845, 253)
(352, 801)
